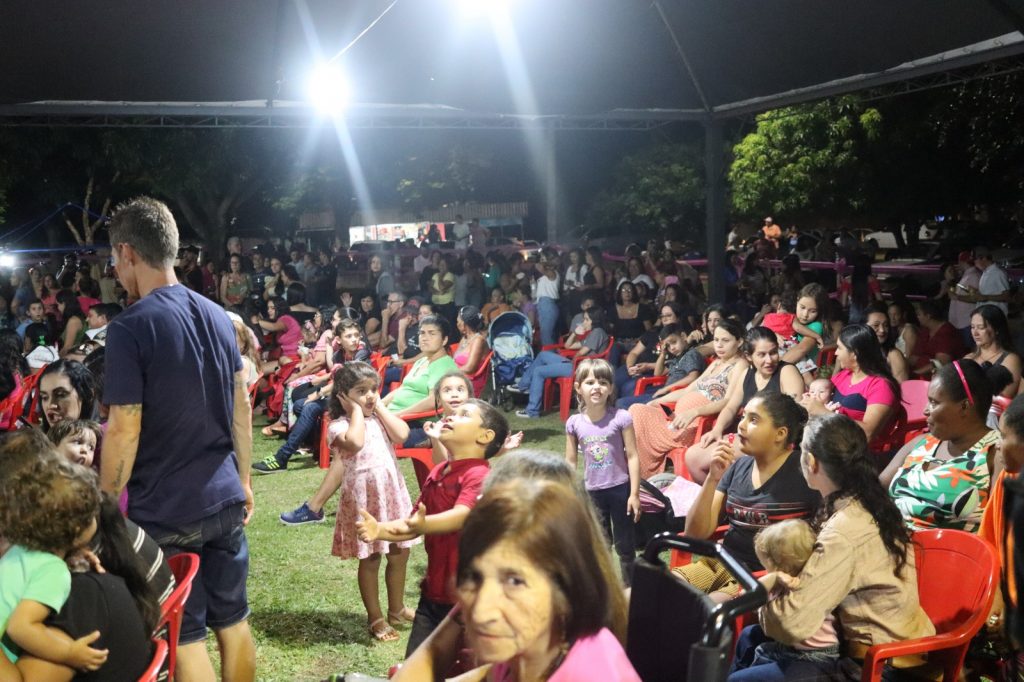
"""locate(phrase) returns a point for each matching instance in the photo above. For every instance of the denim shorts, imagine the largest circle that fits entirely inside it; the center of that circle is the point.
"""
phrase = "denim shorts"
(218, 598)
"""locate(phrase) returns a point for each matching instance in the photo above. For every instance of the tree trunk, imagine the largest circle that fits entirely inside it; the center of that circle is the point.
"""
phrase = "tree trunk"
(86, 233)
(209, 219)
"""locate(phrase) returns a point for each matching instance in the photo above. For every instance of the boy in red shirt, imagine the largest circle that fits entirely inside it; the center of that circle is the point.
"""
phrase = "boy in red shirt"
(474, 433)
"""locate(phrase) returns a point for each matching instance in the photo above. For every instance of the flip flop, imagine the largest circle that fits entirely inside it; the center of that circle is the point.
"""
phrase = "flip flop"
(404, 617)
(384, 633)
(269, 431)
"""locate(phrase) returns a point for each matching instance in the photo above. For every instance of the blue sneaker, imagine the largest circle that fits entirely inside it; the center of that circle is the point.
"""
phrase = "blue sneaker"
(301, 516)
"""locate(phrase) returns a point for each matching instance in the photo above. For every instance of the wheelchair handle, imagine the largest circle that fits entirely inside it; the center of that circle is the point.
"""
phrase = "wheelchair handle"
(753, 597)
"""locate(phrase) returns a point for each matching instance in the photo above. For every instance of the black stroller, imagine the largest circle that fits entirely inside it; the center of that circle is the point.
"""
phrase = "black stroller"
(675, 632)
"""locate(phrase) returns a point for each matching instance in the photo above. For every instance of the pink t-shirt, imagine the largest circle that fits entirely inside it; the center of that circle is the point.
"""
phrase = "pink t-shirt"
(854, 399)
(598, 657)
(290, 338)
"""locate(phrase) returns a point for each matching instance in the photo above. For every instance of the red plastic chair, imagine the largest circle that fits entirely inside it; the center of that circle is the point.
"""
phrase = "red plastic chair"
(405, 370)
(678, 455)
(14, 404)
(422, 461)
(564, 384)
(252, 396)
(152, 673)
(957, 576)
(915, 398)
(483, 370)
(184, 567)
(826, 357)
(643, 383)
(324, 453)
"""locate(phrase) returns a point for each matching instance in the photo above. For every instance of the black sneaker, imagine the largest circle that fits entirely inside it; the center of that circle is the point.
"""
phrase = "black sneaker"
(269, 466)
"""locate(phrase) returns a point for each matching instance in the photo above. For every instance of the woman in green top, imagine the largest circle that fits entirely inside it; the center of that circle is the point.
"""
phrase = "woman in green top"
(414, 395)
(942, 479)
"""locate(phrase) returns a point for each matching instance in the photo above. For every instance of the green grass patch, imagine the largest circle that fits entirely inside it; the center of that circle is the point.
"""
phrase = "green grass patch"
(307, 617)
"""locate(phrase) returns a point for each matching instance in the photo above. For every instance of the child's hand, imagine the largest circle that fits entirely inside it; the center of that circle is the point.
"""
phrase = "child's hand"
(83, 560)
(347, 404)
(367, 527)
(787, 580)
(432, 429)
(418, 521)
(768, 580)
(633, 507)
(513, 441)
(81, 656)
(832, 406)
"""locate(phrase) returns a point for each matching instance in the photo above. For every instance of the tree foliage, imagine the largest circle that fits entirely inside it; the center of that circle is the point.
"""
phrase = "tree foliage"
(434, 175)
(808, 157)
(660, 188)
(984, 121)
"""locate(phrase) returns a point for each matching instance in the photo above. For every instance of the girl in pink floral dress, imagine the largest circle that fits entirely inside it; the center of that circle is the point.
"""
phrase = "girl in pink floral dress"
(361, 434)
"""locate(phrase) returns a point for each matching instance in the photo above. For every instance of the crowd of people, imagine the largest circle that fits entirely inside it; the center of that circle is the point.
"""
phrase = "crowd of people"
(785, 400)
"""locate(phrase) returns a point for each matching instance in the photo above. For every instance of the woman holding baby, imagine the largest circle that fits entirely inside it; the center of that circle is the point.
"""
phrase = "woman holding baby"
(861, 570)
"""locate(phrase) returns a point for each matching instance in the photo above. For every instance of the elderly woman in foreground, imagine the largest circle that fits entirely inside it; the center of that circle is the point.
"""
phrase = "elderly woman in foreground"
(537, 596)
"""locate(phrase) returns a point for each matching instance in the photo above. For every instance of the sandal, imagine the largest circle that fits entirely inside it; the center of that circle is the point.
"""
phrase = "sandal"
(269, 431)
(382, 632)
(404, 617)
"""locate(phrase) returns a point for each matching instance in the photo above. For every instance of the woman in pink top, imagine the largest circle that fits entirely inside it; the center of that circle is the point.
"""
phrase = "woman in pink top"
(472, 349)
(289, 333)
(537, 596)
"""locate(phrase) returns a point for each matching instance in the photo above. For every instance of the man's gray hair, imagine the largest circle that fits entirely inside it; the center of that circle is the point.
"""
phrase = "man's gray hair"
(148, 226)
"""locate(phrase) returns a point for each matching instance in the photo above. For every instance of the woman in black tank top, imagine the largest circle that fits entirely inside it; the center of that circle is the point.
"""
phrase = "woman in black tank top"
(994, 345)
(766, 373)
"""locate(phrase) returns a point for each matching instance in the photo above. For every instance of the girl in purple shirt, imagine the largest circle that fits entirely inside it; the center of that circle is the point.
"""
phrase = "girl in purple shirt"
(611, 467)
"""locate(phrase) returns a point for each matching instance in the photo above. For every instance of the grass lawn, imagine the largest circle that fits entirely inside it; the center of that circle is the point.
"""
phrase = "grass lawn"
(307, 617)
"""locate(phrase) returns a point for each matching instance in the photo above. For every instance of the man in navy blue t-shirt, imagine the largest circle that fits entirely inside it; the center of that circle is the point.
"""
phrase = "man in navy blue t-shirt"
(180, 434)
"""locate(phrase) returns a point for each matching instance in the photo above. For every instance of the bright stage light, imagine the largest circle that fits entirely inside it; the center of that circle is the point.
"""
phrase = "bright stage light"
(484, 8)
(329, 89)
(7, 260)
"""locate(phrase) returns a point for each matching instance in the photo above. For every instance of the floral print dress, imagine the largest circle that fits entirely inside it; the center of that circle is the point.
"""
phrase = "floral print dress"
(372, 482)
(944, 493)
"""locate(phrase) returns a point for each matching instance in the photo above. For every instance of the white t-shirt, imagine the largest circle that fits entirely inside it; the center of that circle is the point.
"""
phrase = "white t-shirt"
(546, 288)
(574, 274)
(420, 262)
(461, 233)
(994, 281)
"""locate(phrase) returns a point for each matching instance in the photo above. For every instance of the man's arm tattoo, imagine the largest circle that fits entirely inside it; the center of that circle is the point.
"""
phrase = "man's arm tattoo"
(119, 476)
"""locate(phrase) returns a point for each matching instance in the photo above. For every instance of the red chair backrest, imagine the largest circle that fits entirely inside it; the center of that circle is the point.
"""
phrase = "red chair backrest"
(827, 357)
(184, 567)
(422, 461)
(152, 673)
(957, 575)
(915, 397)
(603, 355)
(484, 367)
